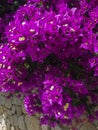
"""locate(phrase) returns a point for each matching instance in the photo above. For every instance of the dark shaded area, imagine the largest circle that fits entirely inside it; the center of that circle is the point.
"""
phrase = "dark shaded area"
(6, 7)
(53, 60)
(95, 29)
(76, 70)
(73, 3)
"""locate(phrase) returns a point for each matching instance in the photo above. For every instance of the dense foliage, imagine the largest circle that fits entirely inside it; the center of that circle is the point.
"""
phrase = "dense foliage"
(49, 54)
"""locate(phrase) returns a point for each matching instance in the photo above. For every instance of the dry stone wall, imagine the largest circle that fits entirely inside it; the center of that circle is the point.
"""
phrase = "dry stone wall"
(14, 117)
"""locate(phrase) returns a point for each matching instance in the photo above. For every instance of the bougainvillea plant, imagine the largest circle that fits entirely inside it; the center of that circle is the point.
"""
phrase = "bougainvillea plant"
(51, 58)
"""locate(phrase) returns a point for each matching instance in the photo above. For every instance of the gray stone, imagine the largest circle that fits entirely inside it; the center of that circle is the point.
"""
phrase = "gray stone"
(13, 109)
(1, 110)
(5, 115)
(87, 126)
(57, 128)
(17, 128)
(8, 121)
(0, 127)
(18, 110)
(16, 101)
(9, 112)
(44, 127)
(32, 123)
(11, 120)
(96, 123)
(2, 121)
(8, 103)
(12, 128)
(15, 118)
(8, 126)
(2, 100)
(21, 123)
(23, 109)
(4, 128)
(5, 109)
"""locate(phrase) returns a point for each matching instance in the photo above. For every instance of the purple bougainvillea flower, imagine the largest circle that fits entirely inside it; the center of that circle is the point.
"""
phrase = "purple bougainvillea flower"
(49, 55)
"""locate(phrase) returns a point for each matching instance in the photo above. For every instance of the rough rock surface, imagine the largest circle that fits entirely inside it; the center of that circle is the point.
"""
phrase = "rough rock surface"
(14, 117)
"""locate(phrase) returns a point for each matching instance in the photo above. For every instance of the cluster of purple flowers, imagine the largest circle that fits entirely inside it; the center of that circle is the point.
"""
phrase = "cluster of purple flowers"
(51, 57)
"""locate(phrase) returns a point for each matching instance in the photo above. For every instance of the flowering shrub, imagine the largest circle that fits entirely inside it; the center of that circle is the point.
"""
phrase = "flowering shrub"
(51, 57)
